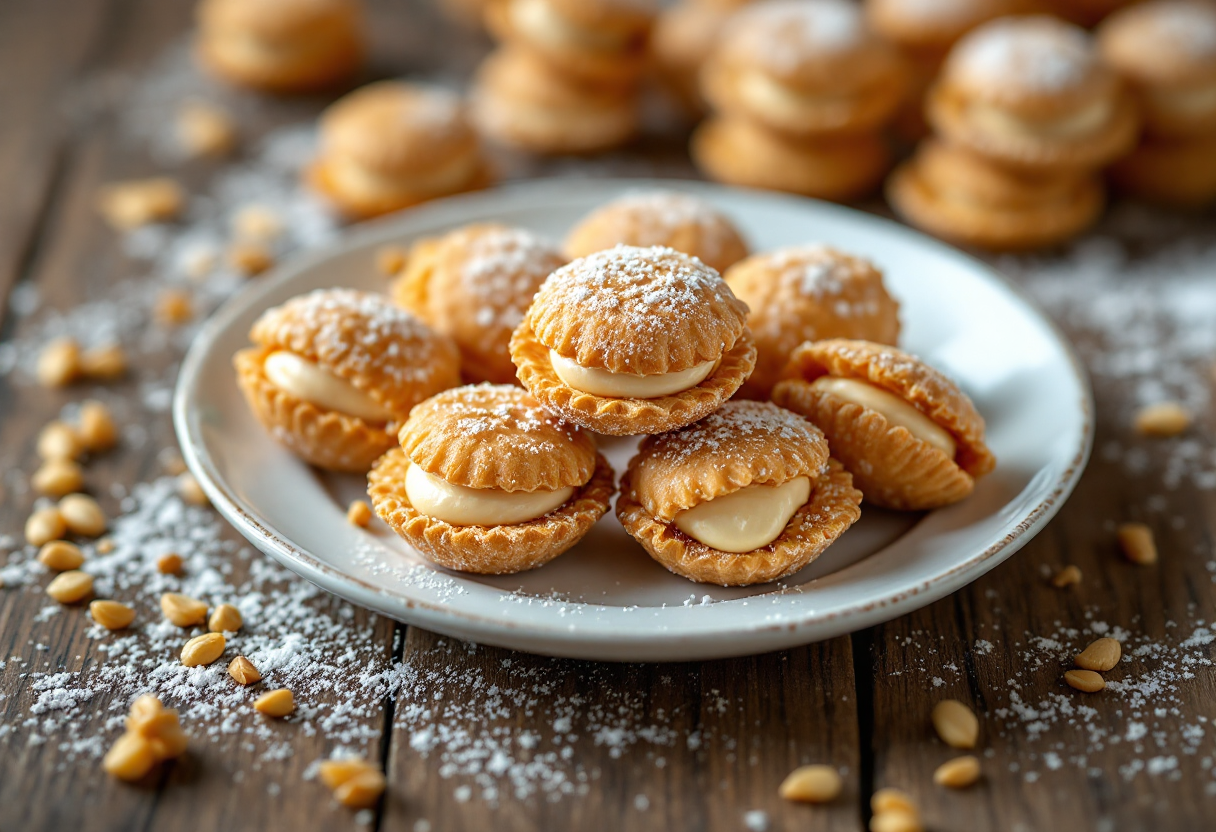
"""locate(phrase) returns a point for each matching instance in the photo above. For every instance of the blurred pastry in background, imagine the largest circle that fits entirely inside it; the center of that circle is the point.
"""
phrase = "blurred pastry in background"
(808, 293)
(390, 145)
(739, 152)
(334, 373)
(470, 13)
(909, 436)
(1166, 51)
(683, 37)
(601, 41)
(474, 285)
(519, 101)
(924, 31)
(1087, 13)
(804, 68)
(957, 195)
(1032, 93)
(660, 218)
(281, 45)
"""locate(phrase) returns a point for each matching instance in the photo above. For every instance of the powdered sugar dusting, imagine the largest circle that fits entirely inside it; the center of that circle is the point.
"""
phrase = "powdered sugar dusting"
(1040, 53)
(652, 218)
(783, 34)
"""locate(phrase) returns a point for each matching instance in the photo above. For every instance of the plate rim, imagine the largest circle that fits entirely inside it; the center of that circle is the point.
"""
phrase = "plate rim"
(803, 627)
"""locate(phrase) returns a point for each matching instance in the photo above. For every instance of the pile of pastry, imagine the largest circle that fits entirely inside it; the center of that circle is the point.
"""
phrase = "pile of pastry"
(770, 398)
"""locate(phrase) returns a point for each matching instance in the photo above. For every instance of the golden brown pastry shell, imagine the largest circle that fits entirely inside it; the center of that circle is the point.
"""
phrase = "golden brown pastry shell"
(496, 436)
(628, 417)
(1176, 173)
(323, 68)
(487, 550)
(329, 440)
(833, 507)
(362, 206)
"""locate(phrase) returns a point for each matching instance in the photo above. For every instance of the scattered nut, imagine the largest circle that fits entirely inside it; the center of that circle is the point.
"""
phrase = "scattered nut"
(1066, 577)
(170, 564)
(1085, 680)
(356, 783)
(97, 431)
(111, 614)
(160, 726)
(257, 222)
(225, 619)
(59, 440)
(83, 515)
(336, 772)
(359, 514)
(57, 477)
(70, 587)
(173, 308)
(45, 525)
(390, 260)
(896, 821)
(243, 671)
(203, 650)
(893, 800)
(1136, 540)
(958, 773)
(204, 129)
(105, 363)
(190, 491)
(59, 363)
(250, 259)
(130, 758)
(183, 610)
(105, 546)
(138, 202)
(812, 784)
(276, 703)
(1163, 419)
(956, 724)
(1102, 655)
(60, 555)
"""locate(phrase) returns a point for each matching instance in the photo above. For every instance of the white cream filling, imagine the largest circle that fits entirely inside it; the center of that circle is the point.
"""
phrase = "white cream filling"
(892, 408)
(538, 21)
(1194, 102)
(746, 520)
(599, 382)
(461, 506)
(768, 96)
(308, 382)
(357, 180)
(1083, 122)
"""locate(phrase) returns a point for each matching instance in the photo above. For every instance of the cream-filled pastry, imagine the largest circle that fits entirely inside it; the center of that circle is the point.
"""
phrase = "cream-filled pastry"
(334, 373)
(1166, 50)
(1031, 93)
(488, 481)
(390, 145)
(805, 68)
(808, 293)
(281, 45)
(633, 340)
(596, 41)
(474, 285)
(660, 218)
(910, 437)
(744, 496)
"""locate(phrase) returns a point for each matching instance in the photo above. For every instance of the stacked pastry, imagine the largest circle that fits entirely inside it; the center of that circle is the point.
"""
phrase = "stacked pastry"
(565, 77)
(801, 91)
(924, 31)
(1025, 114)
(1166, 50)
(684, 36)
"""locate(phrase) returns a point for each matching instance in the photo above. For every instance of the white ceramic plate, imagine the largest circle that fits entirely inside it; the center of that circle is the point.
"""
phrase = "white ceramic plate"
(605, 599)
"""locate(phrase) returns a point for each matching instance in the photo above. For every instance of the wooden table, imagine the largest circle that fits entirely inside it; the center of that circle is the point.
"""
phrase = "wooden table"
(733, 729)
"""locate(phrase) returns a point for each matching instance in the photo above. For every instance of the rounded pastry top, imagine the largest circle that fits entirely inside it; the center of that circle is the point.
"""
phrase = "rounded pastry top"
(805, 43)
(620, 16)
(396, 128)
(743, 443)
(1031, 65)
(273, 20)
(933, 24)
(1165, 42)
(660, 218)
(909, 378)
(361, 338)
(519, 74)
(496, 436)
(640, 311)
(475, 284)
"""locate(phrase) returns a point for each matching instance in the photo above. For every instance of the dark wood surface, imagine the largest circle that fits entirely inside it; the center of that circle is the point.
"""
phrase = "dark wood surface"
(67, 70)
